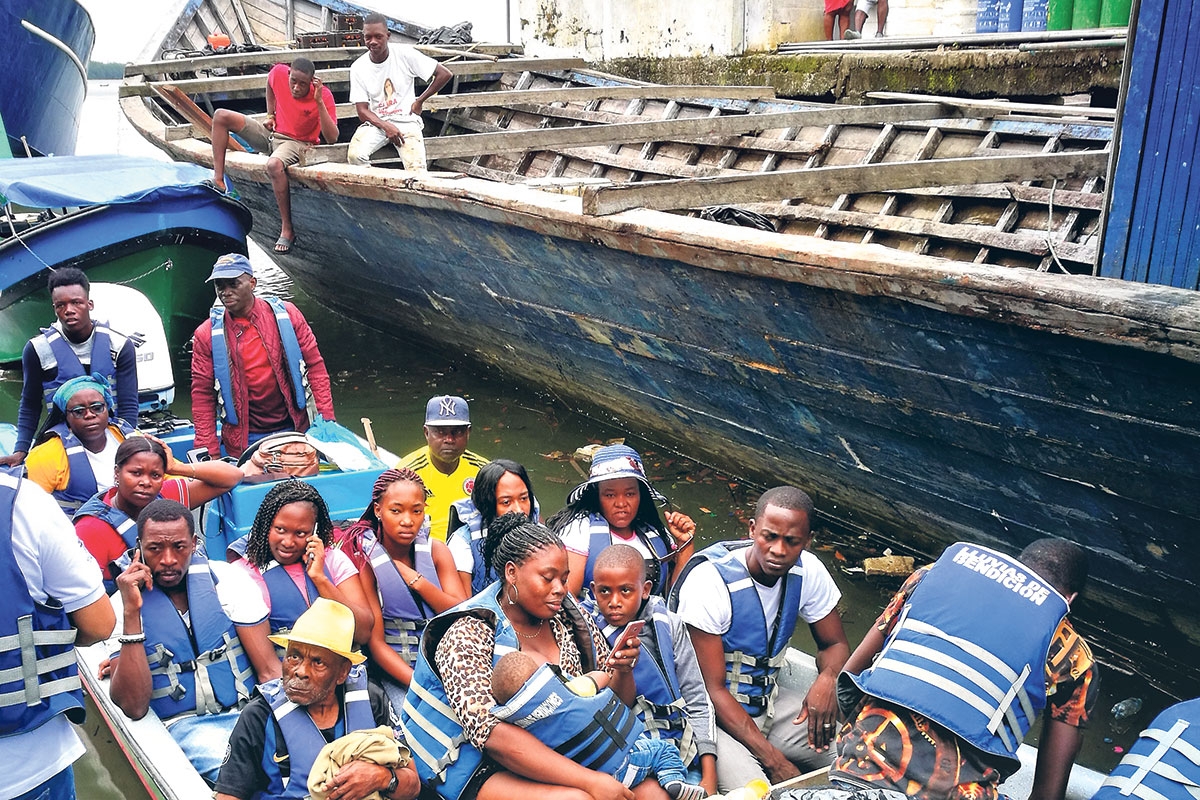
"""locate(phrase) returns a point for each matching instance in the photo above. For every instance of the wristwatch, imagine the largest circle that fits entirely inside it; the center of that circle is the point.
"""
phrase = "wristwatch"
(393, 784)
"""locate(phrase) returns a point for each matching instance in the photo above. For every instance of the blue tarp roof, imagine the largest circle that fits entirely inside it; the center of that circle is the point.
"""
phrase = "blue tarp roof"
(96, 180)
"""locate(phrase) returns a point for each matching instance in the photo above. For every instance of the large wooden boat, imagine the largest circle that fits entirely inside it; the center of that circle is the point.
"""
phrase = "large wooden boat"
(907, 322)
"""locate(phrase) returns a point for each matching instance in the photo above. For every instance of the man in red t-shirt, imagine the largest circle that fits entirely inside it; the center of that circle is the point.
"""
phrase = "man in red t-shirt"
(295, 122)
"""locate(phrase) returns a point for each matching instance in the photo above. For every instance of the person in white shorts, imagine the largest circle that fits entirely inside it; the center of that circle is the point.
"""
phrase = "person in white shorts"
(381, 88)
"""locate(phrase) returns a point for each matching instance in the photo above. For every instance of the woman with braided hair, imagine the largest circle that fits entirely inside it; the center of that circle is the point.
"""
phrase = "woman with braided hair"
(286, 555)
(462, 749)
(409, 577)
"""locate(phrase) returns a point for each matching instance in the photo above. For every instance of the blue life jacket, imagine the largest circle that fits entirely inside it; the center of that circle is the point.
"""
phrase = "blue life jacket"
(752, 655)
(1164, 763)
(405, 614)
(595, 732)
(201, 671)
(297, 369)
(54, 351)
(660, 704)
(446, 761)
(466, 522)
(38, 676)
(81, 481)
(287, 603)
(600, 537)
(121, 523)
(969, 649)
(303, 738)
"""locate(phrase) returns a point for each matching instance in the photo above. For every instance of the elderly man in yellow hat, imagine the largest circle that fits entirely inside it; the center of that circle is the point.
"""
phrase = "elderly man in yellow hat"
(322, 697)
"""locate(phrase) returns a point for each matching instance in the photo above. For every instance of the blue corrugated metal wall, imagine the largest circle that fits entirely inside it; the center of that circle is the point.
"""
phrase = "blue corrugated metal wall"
(1152, 229)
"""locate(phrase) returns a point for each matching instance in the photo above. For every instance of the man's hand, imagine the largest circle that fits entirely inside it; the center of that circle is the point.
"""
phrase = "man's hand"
(356, 780)
(778, 768)
(15, 459)
(269, 123)
(417, 106)
(130, 583)
(820, 709)
(393, 133)
(316, 89)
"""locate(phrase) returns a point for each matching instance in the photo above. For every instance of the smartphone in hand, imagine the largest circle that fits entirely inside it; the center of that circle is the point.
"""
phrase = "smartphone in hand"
(625, 640)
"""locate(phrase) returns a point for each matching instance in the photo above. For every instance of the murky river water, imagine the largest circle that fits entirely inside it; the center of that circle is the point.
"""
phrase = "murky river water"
(388, 380)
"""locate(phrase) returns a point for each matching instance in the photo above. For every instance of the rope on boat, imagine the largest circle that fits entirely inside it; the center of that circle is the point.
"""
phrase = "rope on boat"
(1050, 233)
(17, 236)
(167, 265)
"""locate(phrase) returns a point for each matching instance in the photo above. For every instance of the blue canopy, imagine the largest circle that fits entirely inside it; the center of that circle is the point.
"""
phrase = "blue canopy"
(63, 181)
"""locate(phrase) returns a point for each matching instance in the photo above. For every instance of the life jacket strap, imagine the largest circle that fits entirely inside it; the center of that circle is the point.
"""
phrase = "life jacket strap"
(399, 634)
(26, 641)
(1168, 740)
(657, 717)
(452, 744)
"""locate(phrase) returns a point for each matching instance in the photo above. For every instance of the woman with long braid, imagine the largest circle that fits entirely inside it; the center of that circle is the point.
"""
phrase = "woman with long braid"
(501, 487)
(286, 554)
(409, 577)
(461, 748)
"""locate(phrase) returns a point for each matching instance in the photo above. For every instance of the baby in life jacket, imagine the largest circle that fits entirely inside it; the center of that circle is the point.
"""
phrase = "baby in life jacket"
(585, 721)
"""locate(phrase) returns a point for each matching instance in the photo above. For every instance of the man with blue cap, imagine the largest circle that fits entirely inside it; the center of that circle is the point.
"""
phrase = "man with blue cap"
(75, 345)
(445, 464)
(255, 365)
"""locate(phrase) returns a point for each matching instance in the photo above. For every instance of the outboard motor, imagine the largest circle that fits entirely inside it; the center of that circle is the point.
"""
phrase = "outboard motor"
(128, 312)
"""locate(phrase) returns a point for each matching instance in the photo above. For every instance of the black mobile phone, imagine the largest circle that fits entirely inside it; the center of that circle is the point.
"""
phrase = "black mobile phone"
(199, 454)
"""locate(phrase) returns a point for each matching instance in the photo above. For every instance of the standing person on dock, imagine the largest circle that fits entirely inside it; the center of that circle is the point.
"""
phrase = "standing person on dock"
(74, 346)
(408, 579)
(949, 680)
(76, 459)
(287, 553)
(862, 9)
(501, 487)
(107, 523)
(51, 586)
(193, 641)
(278, 744)
(381, 88)
(444, 463)
(837, 18)
(741, 602)
(255, 363)
(300, 110)
(617, 505)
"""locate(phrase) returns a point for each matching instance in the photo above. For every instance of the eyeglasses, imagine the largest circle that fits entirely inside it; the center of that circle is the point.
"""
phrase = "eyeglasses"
(79, 412)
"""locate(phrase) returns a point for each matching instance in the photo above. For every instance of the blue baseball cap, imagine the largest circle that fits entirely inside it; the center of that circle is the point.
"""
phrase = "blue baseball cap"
(447, 410)
(230, 265)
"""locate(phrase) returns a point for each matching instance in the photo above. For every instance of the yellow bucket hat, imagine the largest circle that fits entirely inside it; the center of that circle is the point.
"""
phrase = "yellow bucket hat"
(327, 623)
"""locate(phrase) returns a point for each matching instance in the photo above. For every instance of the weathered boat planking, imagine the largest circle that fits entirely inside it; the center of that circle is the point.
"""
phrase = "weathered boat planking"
(901, 347)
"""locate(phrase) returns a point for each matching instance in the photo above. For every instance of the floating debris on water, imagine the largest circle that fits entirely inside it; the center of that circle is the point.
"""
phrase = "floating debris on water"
(1127, 708)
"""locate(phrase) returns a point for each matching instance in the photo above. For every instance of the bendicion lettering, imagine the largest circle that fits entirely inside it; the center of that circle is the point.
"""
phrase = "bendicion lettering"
(1003, 573)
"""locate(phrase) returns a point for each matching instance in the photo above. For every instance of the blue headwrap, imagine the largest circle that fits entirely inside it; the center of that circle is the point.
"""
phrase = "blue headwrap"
(93, 381)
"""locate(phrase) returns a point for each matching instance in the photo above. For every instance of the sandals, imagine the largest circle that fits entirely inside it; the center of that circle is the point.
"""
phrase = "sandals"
(283, 245)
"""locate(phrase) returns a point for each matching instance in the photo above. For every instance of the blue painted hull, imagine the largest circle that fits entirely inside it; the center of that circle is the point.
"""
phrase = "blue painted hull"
(923, 400)
(43, 91)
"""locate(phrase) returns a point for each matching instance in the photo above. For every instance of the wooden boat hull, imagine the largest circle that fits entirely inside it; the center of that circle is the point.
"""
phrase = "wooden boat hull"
(921, 402)
(924, 399)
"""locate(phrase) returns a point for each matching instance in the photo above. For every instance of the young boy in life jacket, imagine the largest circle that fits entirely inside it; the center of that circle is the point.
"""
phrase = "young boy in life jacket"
(672, 702)
(585, 721)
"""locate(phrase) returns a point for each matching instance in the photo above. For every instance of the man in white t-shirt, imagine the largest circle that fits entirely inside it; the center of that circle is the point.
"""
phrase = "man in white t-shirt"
(741, 630)
(382, 90)
(41, 558)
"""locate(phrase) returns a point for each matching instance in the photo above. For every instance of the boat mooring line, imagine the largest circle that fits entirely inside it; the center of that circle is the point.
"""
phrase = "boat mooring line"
(17, 236)
(36, 31)
(167, 265)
